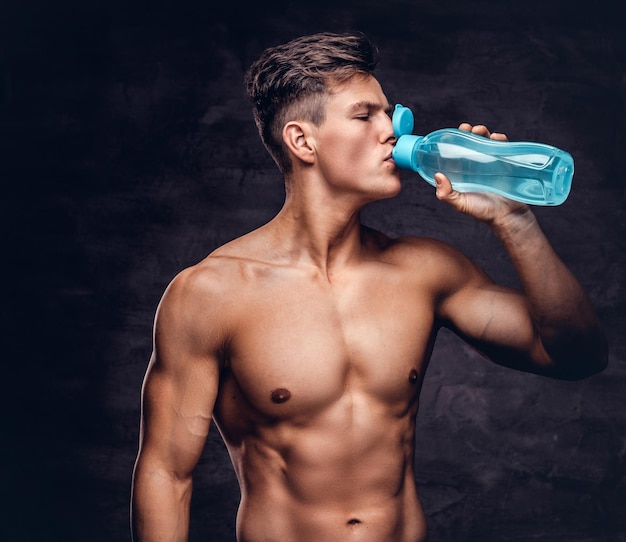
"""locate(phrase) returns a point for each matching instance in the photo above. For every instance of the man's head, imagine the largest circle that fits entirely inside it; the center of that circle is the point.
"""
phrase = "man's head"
(292, 82)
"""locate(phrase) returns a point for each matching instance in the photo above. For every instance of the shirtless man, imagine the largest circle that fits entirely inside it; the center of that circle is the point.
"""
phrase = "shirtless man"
(307, 340)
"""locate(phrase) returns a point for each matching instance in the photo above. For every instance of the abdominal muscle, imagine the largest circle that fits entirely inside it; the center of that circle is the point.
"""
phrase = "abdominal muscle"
(323, 483)
(386, 521)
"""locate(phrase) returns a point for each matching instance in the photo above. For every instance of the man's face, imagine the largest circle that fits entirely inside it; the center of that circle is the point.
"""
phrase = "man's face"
(355, 141)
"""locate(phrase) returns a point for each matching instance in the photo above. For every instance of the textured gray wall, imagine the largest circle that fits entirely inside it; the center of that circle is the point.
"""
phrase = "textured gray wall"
(129, 152)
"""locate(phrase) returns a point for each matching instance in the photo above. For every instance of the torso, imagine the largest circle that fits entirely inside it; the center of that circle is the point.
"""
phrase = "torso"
(319, 393)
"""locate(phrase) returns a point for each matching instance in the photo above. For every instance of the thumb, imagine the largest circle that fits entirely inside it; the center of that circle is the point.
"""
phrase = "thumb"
(444, 186)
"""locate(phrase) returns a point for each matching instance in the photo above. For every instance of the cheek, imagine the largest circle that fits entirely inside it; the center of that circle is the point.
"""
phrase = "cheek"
(348, 154)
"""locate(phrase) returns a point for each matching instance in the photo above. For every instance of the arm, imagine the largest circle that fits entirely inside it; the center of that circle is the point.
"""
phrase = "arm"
(550, 327)
(178, 396)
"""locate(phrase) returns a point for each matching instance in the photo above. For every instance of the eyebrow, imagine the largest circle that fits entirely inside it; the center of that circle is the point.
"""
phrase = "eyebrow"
(364, 104)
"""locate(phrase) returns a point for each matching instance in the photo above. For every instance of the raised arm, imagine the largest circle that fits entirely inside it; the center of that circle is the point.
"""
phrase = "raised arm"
(550, 327)
(178, 396)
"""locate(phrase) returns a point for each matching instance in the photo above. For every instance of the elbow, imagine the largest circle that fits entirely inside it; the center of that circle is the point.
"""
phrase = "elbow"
(599, 363)
(599, 356)
(583, 371)
(579, 366)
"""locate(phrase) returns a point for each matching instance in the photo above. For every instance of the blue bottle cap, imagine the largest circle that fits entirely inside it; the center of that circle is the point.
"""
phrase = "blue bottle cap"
(402, 120)
(403, 152)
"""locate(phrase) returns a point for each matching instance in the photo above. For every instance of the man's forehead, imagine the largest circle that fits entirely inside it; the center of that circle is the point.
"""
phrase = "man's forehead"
(359, 93)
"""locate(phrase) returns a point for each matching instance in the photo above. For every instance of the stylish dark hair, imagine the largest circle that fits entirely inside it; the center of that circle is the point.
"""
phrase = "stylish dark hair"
(292, 81)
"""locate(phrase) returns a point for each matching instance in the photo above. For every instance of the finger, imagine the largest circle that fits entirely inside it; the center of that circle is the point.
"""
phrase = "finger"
(465, 126)
(497, 136)
(481, 129)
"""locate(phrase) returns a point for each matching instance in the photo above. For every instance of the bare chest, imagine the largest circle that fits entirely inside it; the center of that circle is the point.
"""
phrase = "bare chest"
(301, 346)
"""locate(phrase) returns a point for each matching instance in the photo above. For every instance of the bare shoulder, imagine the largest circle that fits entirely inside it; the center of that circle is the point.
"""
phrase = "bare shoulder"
(430, 264)
(202, 283)
(199, 299)
(413, 248)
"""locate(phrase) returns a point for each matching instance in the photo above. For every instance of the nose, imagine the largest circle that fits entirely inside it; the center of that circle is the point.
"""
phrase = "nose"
(388, 134)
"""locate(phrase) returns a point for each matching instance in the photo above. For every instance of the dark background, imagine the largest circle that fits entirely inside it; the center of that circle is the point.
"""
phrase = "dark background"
(128, 152)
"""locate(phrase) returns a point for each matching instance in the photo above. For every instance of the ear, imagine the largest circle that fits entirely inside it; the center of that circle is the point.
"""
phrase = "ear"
(298, 138)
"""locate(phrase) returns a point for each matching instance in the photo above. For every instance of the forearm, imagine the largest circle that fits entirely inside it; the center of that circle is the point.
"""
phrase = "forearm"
(560, 309)
(160, 506)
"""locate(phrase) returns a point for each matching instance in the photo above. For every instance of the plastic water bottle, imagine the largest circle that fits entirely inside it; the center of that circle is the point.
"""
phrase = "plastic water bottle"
(532, 173)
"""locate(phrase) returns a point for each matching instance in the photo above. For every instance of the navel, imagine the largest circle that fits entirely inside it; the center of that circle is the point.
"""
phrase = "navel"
(280, 395)
(413, 376)
(354, 521)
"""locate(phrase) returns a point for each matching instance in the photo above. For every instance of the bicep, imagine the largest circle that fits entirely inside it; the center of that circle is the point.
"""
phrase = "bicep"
(177, 406)
(495, 320)
(181, 384)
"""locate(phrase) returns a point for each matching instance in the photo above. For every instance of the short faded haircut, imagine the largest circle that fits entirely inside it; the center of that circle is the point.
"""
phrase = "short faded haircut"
(292, 82)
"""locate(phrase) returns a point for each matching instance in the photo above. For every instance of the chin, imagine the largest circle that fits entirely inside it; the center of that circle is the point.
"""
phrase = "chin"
(392, 189)
(385, 187)
(387, 192)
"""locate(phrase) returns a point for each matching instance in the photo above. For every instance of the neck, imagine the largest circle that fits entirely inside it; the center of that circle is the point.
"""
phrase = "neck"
(318, 228)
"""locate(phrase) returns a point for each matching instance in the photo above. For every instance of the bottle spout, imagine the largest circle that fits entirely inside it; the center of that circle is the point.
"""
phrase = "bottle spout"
(404, 152)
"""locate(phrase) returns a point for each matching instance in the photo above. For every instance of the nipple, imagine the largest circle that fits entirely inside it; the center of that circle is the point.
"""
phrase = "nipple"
(413, 376)
(280, 395)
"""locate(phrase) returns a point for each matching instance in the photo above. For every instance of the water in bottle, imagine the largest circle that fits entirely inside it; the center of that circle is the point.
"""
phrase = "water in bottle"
(533, 173)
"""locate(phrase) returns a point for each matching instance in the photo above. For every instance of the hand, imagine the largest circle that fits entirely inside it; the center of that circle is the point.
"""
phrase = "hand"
(482, 130)
(483, 206)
